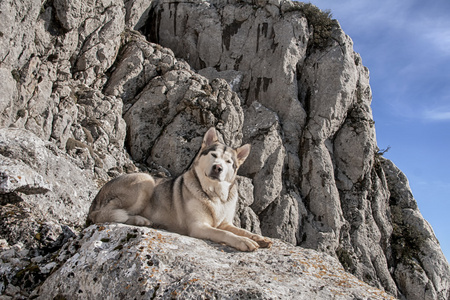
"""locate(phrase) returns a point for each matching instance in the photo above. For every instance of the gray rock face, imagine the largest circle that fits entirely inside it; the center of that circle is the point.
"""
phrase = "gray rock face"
(85, 97)
(161, 265)
(310, 122)
(45, 177)
(415, 249)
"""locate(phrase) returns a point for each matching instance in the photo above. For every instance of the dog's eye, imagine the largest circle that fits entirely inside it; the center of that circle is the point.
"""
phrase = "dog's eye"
(214, 155)
(229, 162)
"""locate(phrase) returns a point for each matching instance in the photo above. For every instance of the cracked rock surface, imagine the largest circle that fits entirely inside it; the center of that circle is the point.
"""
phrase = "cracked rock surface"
(92, 90)
(159, 265)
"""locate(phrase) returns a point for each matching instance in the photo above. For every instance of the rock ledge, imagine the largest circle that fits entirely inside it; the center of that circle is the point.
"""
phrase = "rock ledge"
(117, 261)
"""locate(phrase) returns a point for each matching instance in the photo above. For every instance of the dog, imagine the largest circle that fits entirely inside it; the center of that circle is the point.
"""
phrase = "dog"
(200, 203)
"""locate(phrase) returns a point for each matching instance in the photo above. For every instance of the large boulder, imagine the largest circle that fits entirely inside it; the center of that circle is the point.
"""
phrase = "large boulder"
(120, 261)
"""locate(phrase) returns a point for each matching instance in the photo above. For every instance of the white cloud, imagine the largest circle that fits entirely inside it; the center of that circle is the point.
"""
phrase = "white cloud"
(424, 23)
(367, 14)
(437, 115)
(440, 38)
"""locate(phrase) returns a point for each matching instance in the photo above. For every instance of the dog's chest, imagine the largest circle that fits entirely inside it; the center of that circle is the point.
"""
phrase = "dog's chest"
(221, 211)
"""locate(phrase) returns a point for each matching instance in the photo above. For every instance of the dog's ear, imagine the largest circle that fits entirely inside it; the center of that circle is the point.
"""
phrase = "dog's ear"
(242, 153)
(210, 137)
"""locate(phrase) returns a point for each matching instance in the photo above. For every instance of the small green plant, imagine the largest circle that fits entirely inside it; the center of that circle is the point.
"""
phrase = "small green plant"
(322, 23)
(21, 113)
(377, 155)
(381, 152)
(16, 75)
(406, 240)
(345, 259)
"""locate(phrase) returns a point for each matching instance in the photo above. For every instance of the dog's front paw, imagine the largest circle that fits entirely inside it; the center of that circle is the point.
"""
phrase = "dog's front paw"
(262, 241)
(246, 244)
(138, 220)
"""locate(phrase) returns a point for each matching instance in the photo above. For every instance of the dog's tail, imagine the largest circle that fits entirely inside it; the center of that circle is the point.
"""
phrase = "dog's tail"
(89, 221)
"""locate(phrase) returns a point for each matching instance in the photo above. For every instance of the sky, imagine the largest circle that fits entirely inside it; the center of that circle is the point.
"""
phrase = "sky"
(406, 46)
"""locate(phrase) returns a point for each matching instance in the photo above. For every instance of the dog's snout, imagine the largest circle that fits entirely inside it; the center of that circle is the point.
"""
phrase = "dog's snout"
(217, 169)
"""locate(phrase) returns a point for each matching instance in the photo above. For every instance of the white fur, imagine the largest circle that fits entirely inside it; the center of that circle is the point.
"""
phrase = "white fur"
(200, 203)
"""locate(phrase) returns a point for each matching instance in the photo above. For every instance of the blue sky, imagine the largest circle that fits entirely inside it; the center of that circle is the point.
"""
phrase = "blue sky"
(406, 46)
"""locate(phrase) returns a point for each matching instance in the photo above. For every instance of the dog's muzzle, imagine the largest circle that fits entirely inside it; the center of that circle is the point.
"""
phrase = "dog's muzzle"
(215, 172)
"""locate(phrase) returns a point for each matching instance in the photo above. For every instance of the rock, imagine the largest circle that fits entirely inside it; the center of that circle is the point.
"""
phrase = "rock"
(136, 13)
(9, 95)
(265, 166)
(261, 128)
(182, 104)
(45, 166)
(21, 224)
(233, 78)
(29, 245)
(17, 43)
(282, 217)
(18, 177)
(86, 98)
(160, 264)
(100, 48)
(36, 86)
(70, 15)
(315, 91)
(419, 275)
(140, 62)
(101, 130)
(354, 144)
(245, 217)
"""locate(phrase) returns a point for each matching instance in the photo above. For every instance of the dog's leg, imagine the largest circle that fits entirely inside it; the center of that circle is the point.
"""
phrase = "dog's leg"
(110, 213)
(138, 220)
(205, 231)
(262, 241)
(122, 216)
(123, 200)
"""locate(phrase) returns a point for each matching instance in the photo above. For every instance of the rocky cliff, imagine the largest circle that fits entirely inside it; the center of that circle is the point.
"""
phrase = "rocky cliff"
(93, 89)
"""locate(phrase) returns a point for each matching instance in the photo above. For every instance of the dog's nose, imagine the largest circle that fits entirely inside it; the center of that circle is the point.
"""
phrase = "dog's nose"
(217, 169)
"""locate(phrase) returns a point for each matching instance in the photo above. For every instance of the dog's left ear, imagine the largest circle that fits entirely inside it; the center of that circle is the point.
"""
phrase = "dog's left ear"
(242, 153)
(210, 137)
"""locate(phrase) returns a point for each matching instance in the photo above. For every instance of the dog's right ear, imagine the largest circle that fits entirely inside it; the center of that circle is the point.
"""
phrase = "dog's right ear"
(242, 153)
(210, 138)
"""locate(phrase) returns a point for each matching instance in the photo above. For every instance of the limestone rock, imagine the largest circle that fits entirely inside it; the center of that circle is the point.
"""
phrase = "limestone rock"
(182, 104)
(245, 217)
(29, 243)
(72, 189)
(86, 97)
(116, 261)
(325, 180)
(140, 62)
(418, 275)
(18, 177)
(9, 95)
(136, 13)
(261, 127)
(17, 42)
(233, 78)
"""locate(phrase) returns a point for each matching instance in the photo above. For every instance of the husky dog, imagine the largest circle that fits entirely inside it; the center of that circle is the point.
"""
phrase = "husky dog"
(200, 203)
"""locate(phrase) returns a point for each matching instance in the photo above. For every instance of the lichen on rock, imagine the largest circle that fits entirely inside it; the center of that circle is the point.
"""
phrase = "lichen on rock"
(159, 264)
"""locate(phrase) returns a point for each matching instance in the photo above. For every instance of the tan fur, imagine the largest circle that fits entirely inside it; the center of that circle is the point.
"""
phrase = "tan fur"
(200, 203)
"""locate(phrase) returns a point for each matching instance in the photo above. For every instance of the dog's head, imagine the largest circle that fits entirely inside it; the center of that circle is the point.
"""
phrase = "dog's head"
(218, 162)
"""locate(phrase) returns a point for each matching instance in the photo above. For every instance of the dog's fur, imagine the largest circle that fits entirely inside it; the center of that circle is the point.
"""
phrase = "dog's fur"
(200, 203)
